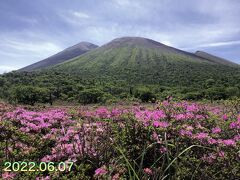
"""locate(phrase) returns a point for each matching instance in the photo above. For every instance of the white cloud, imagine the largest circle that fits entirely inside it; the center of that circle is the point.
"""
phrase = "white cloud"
(133, 5)
(74, 18)
(16, 53)
(25, 48)
(5, 69)
(80, 15)
(123, 2)
(168, 43)
(214, 44)
(38, 47)
(197, 36)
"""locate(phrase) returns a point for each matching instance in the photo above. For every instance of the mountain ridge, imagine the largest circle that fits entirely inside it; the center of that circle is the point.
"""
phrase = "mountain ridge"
(142, 60)
(214, 58)
(81, 48)
(140, 42)
(153, 42)
(60, 57)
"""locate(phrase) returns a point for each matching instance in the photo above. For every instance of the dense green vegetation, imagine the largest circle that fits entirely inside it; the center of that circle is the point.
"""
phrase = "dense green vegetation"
(47, 87)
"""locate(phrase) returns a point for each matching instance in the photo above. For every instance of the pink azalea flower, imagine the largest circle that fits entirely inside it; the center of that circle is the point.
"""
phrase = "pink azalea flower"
(8, 175)
(165, 103)
(162, 124)
(221, 154)
(189, 128)
(237, 137)
(216, 130)
(209, 158)
(116, 177)
(212, 141)
(192, 108)
(148, 171)
(180, 117)
(234, 125)
(116, 112)
(201, 136)
(163, 149)
(155, 137)
(43, 178)
(103, 112)
(225, 117)
(229, 142)
(100, 171)
(200, 117)
(156, 115)
(216, 111)
(184, 132)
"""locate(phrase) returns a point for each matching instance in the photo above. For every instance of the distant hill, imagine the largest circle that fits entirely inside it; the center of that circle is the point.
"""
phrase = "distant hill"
(62, 56)
(215, 59)
(145, 61)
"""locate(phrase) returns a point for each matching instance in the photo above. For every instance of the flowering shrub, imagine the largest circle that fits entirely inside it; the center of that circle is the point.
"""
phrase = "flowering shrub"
(178, 140)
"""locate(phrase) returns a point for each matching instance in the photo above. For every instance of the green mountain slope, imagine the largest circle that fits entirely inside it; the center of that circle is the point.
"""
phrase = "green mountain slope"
(215, 59)
(144, 61)
(62, 56)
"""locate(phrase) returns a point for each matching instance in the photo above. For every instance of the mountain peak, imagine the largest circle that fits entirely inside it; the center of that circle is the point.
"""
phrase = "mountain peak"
(145, 43)
(83, 46)
(130, 38)
(134, 41)
(67, 54)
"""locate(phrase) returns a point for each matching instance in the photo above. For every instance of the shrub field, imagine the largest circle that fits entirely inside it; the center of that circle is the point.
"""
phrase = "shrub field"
(167, 140)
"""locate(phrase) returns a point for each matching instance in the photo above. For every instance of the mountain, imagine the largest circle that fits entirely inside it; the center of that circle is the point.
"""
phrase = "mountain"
(62, 56)
(213, 58)
(145, 61)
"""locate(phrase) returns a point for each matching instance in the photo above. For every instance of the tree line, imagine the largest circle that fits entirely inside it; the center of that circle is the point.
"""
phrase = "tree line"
(47, 87)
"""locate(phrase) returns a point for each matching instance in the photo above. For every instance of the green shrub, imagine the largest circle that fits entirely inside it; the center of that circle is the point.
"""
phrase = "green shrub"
(29, 95)
(193, 96)
(89, 96)
(148, 96)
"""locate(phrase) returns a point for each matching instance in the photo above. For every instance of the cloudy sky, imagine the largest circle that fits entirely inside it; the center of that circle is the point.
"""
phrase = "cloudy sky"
(31, 30)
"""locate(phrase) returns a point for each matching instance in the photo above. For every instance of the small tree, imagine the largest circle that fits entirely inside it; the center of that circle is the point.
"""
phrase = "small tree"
(2, 81)
(232, 92)
(148, 96)
(193, 96)
(30, 95)
(209, 83)
(88, 96)
(216, 93)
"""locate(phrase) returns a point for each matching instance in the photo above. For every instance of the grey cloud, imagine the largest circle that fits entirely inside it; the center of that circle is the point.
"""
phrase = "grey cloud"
(53, 25)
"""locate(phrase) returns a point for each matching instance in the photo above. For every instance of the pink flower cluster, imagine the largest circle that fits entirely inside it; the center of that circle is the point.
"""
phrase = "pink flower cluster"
(235, 124)
(103, 113)
(75, 138)
(35, 122)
